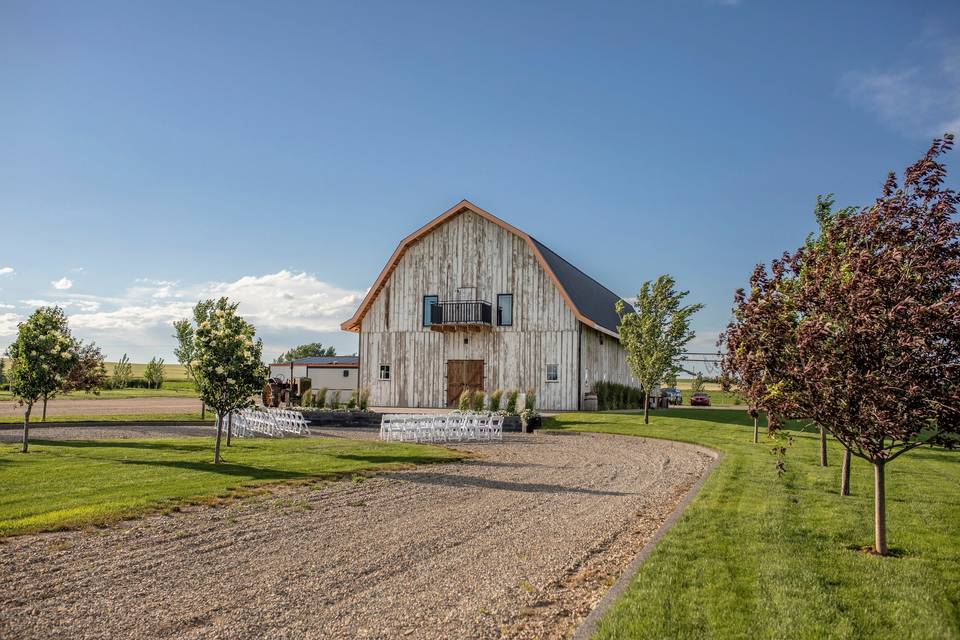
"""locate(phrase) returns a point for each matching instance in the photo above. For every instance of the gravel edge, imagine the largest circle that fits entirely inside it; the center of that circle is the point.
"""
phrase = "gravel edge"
(590, 624)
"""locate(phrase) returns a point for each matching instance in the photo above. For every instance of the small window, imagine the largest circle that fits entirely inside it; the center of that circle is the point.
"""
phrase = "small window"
(505, 309)
(384, 372)
(553, 373)
(346, 373)
(428, 302)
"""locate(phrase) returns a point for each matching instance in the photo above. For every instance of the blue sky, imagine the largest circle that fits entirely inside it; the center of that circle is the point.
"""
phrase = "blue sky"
(277, 152)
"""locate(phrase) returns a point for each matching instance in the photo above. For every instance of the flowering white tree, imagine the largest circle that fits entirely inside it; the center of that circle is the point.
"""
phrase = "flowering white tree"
(41, 358)
(224, 359)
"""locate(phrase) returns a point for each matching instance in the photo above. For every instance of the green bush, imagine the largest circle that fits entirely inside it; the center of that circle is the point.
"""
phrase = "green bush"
(321, 398)
(352, 402)
(494, 404)
(466, 399)
(335, 400)
(530, 400)
(364, 399)
(512, 401)
(612, 396)
(478, 401)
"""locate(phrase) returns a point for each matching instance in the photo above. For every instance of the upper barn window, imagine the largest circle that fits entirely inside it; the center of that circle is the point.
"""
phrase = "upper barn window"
(505, 309)
(428, 302)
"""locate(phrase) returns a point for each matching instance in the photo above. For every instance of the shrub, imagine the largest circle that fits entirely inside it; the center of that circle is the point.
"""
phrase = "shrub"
(122, 372)
(154, 373)
(478, 401)
(352, 402)
(494, 400)
(612, 396)
(512, 401)
(530, 400)
(335, 400)
(466, 399)
(321, 398)
(364, 399)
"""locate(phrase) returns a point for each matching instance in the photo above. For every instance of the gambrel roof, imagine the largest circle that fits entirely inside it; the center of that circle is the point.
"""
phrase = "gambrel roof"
(591, 302)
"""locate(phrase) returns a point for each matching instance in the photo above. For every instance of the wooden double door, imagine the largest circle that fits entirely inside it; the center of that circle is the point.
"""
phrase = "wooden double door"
(463, 375)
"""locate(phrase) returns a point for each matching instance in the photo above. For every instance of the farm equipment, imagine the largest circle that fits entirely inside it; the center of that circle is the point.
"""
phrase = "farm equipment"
(279, 392)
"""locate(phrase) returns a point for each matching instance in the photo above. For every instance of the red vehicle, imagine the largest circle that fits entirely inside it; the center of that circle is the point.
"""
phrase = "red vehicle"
(700, 400)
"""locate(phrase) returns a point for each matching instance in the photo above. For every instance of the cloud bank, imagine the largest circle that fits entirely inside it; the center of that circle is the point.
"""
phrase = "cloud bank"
(287, 308)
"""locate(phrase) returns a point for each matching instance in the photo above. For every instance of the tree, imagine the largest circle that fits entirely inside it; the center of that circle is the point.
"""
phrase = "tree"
(225, 359)
(153, 374)
(655, 333)
(760, 345)
(88, 374)
(313, 349)
(41, 357)
(122, 371)
(696, 385)
(878, 336)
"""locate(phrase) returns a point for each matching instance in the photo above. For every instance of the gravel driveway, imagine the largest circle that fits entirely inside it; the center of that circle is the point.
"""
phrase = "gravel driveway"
(520, 541)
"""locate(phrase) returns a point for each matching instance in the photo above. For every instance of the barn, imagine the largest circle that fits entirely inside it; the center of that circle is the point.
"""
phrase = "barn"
(470, 302)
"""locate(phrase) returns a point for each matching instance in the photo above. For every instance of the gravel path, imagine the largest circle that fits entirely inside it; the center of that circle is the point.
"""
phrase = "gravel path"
(518, 542)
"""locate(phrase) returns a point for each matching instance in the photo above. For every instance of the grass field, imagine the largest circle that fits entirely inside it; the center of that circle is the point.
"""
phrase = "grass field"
(129, 418)
(755, 556)
(85, 482)
(171, 371)
(113, 394)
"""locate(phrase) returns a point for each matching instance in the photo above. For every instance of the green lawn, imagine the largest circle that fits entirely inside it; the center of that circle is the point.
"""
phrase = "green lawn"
(756, 556)
(129, 418)
(61, 484)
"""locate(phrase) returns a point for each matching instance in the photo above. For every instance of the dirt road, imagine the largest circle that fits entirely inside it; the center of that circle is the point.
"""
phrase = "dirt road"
(118, 406)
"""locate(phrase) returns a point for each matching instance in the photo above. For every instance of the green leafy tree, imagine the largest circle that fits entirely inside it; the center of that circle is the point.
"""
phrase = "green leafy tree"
(88, 374)
(311, 350)
(226, 360)
(154, 373)
(696, 385)
(41, 357)
(655, 333)
(122, 372)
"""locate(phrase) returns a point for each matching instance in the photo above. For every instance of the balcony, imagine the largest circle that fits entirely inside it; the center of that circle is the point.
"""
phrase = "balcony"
(467, 315)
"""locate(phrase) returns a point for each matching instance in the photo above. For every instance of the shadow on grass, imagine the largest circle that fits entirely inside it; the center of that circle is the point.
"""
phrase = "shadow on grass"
(128, 444)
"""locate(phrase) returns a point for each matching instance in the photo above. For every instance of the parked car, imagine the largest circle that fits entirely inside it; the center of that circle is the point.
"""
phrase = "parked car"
(673, 395)
(700, 399)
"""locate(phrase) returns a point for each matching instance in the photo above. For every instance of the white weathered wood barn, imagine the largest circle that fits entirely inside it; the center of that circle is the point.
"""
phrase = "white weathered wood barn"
(470, 302)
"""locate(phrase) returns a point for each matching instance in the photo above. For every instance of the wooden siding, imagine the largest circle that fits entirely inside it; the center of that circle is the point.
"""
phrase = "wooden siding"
(469, 251)
(603, 361)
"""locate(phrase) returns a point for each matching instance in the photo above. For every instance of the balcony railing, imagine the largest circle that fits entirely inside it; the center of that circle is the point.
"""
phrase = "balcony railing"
(466, 313)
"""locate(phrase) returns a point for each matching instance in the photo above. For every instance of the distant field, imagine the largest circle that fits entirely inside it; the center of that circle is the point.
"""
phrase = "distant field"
(171, 371)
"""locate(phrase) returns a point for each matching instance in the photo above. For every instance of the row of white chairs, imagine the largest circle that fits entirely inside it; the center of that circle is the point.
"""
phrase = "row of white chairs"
(269, 422)
(451, 427)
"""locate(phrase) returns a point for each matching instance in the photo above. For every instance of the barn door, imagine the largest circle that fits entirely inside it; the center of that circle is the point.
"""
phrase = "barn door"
(463, 375)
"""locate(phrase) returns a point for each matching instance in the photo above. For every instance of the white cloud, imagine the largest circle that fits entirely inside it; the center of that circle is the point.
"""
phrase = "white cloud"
(8, 324)
(286, 308)
(6, 271)
(62, 284)
(917, 99)
(7, 306)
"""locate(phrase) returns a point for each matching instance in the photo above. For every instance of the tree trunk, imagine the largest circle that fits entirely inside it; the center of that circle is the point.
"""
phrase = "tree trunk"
(216, 448)
(646, 407)
(879, 510)
(203, 410)
(823, 447)
(26, 427)
(43, 417)
(756, 429)
(845, 473)
(229, 428)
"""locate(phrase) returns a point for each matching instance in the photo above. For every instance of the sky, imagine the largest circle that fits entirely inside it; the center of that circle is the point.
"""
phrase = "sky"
(153, 154)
